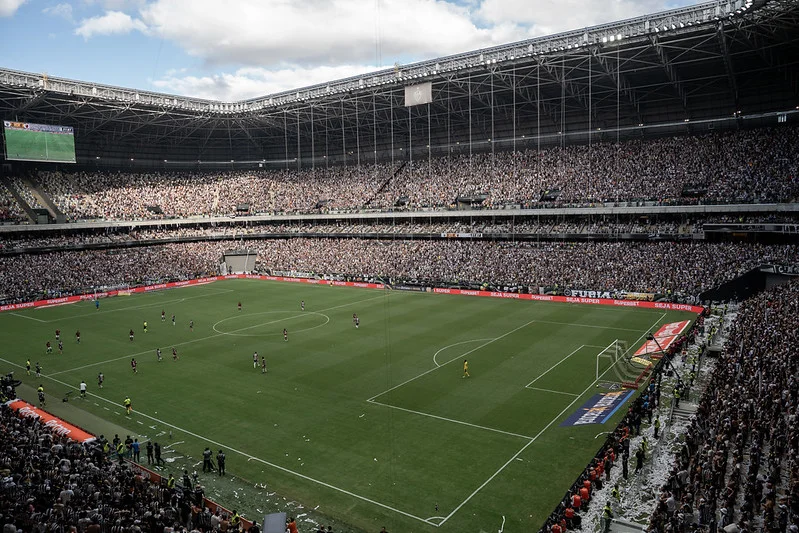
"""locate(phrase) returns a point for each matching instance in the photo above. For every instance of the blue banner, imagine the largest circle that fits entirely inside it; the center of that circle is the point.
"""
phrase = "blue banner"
(598, 409)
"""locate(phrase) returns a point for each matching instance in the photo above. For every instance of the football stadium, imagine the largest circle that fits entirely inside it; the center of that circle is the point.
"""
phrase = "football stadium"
(548, 285)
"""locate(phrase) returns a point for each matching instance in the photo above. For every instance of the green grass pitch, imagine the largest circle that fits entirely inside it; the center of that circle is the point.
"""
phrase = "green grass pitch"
(39, 146)
(375, 425)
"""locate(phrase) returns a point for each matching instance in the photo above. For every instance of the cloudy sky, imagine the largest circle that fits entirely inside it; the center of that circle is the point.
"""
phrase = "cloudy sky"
(235, 49)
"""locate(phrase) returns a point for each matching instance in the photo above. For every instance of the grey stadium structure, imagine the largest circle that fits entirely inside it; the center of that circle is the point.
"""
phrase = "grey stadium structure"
(712, 65)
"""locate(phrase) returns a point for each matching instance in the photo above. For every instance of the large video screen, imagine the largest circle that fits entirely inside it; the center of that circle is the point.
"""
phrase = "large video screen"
(39, 142)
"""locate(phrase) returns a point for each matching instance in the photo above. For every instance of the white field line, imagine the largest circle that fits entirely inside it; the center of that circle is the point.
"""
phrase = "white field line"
(244, 454)
(306, 313)
(141, 306)
(587, 325)
(552, 391)
(550, 369)
(29, 317)
(203, 338)
(451, 420)
(455, 344)
(557, 417)
(463, 355)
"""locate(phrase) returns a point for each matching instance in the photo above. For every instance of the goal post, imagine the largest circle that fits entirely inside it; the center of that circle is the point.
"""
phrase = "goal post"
(617, 364)
(609, 357)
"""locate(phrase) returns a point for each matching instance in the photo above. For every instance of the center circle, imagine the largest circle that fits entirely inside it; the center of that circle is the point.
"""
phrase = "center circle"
(240, 326)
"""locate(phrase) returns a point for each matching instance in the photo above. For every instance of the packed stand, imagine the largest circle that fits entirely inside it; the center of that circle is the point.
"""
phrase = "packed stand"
(24, 190)
(553, 226)
(682, 269)
(23, 241)
(50, 483)
(738, 469)
(743, 166)
(10, 210)
(66, 195)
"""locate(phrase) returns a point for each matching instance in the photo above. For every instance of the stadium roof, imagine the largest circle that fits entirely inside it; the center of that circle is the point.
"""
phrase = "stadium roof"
(708, 65)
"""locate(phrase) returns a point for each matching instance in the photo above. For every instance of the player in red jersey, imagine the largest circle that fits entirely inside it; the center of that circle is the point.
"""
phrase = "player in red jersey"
(49, 347)
(133, 364)
(131, 335)
(58, 334)
(239, 306)
(77, 336)
(285, 334)
(175, 354)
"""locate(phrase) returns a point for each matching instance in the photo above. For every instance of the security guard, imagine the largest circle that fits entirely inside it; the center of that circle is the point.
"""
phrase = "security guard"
(616, 493)
(607, 517)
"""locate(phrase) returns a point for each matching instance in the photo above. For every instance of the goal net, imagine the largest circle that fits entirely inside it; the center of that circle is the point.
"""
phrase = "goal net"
(617, 363)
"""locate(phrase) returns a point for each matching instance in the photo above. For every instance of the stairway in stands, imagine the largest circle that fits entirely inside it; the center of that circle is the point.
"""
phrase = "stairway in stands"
(45, 199)
(387, 182)
(31, 214)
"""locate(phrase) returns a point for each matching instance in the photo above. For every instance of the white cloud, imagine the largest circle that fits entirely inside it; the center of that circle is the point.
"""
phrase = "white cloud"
(9, 7)
(59, 10)
(251, 82)
(330, 32)
(315, 32)
(113, 22)
(115, 5)
(543, 17)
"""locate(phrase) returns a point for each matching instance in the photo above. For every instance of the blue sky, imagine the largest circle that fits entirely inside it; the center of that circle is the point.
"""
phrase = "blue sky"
(245, 48)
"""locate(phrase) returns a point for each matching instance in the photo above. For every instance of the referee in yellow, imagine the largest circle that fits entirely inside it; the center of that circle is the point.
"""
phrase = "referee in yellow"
(465, 368)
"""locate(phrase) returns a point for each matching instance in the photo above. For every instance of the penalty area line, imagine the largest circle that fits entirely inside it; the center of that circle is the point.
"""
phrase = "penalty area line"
(550, 369)
(455, 344)
(448, 362)
(557, 417)
(552, 391)
(461, 422)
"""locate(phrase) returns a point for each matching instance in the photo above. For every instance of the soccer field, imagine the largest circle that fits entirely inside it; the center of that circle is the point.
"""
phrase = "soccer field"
(377, 425)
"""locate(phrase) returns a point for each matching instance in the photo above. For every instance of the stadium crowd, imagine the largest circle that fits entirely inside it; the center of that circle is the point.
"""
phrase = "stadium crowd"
(738, 469)
(10, 210)
(15, 241)
(680, 269)
(49, 483)
(735, 167)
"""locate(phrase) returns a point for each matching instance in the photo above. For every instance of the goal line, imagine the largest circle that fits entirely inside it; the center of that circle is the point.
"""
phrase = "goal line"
(628, 370)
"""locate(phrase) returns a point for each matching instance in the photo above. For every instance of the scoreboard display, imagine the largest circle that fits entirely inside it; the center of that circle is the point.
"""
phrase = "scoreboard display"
(38, 142)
